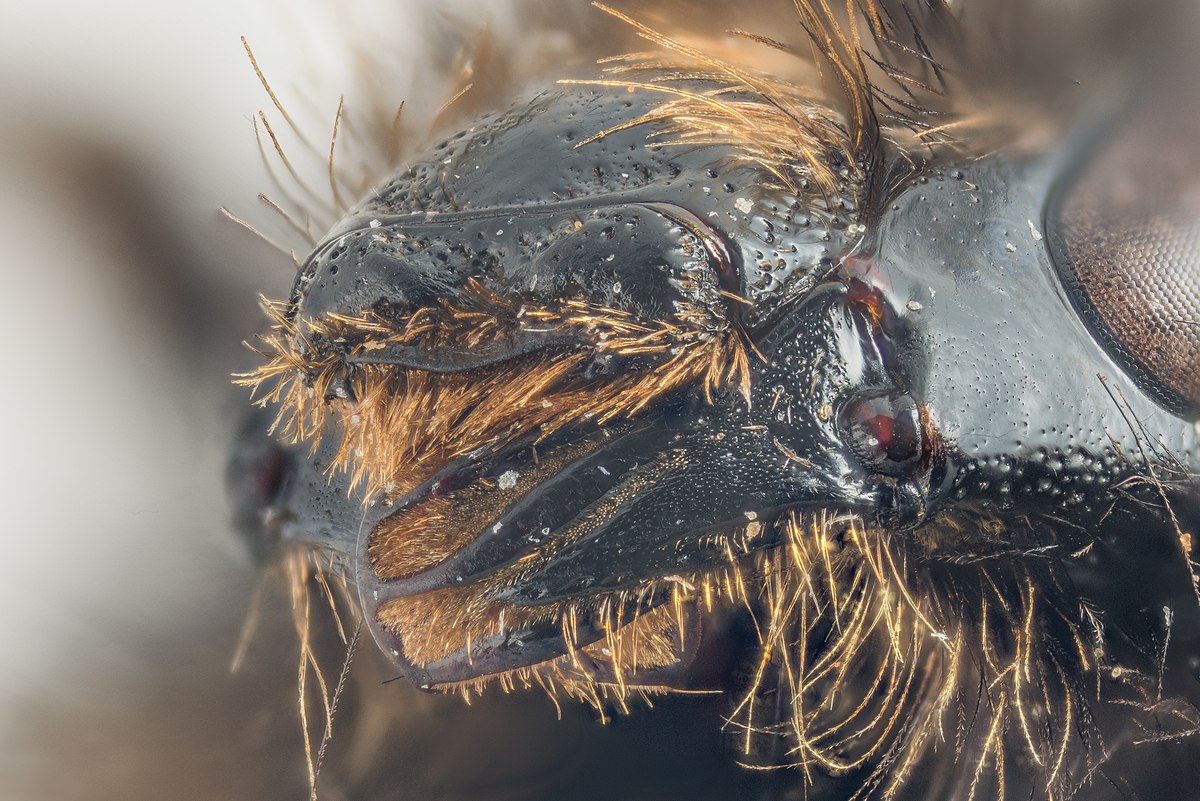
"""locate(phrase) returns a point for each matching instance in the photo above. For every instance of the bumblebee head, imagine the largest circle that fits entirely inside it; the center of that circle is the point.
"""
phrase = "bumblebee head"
(597, 359)
(531, 356)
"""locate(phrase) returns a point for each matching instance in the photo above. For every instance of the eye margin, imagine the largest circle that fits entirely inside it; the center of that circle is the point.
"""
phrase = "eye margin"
(1133, 292)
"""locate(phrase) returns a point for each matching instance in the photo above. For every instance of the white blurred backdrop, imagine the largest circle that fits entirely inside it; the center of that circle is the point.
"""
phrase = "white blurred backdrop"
(124, 126)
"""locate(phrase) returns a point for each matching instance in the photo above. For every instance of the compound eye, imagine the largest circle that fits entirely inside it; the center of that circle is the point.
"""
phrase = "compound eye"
(1126, 241)
(884, 431)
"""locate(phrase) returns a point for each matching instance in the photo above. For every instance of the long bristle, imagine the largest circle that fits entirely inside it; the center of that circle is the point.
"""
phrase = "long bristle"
(308, 570)
(885, 660)
(707, 101)
(397, 425)
(874, 652)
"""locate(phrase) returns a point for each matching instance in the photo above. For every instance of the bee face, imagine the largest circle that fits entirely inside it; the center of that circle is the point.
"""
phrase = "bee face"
(680, 333)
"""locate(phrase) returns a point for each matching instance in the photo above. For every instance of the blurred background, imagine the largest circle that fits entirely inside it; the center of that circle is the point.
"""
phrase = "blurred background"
(125, 127)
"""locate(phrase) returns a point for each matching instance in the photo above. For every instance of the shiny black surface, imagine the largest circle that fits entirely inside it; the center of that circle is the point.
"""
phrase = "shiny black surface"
(947, 302)
(980, 331)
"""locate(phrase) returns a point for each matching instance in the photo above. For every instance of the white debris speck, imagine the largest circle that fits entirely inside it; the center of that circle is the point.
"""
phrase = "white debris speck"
(914, 306)
(610, 257)
(617, 288)
(499, 232)
(1037, 235)
(447, 160)
(681, 581)
(743, 205)
(1010, 247)
(604, 470)
(751, 515)
(606, 651)
(940, 635)
(854, 229)
(375, 223)
(508, 479)
(495, 530)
